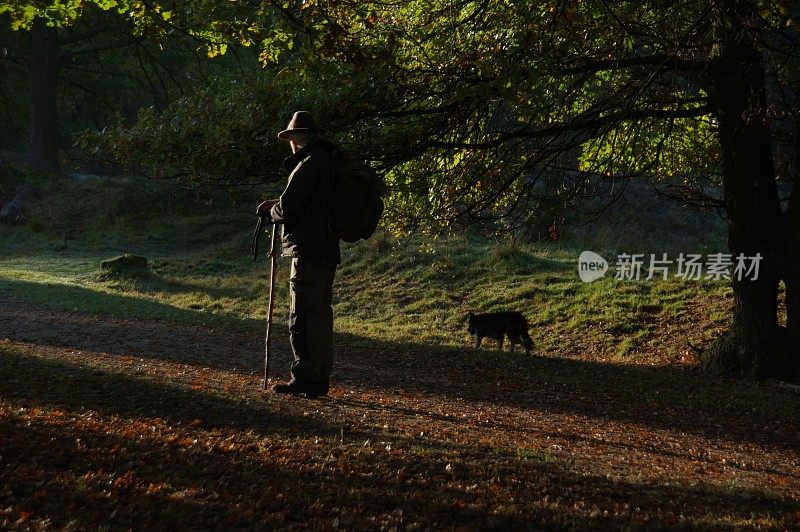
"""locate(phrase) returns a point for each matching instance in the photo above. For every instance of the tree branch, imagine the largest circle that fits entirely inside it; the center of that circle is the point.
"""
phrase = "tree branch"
(667, 62)
(635, 114)
(94, 49)
(108, 28)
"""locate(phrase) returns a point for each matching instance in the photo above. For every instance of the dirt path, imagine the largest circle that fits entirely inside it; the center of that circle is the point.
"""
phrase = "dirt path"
(132, 422)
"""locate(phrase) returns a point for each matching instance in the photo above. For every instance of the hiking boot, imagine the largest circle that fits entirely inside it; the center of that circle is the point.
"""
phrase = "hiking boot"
(309, 389)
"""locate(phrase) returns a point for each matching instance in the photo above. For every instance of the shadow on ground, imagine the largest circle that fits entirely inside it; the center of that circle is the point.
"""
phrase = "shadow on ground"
(74, 474)
(659, 397)
(53, 382)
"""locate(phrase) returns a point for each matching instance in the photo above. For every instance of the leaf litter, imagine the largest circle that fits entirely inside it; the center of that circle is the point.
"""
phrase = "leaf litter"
(107, 421)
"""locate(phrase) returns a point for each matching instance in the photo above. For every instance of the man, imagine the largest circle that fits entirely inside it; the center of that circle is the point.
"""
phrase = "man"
(303, 211)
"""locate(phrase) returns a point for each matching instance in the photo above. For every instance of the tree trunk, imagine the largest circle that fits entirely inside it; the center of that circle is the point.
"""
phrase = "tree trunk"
(754, 345)
(43, 68)
(792, 280)
(782, 91)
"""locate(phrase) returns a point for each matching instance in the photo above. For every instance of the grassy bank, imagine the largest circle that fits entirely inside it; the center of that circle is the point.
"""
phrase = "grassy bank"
(409, 289)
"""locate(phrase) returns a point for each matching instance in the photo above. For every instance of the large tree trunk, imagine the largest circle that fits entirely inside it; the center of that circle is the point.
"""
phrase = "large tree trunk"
(43, 68)
(783, 79)
(792, 280)
(792, 269)
(755, 344)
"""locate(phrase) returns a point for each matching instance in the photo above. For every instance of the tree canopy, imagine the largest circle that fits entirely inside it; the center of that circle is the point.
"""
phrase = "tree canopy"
(468, 101)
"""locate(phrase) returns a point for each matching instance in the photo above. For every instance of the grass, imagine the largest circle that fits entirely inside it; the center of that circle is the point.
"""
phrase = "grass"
(386, 289)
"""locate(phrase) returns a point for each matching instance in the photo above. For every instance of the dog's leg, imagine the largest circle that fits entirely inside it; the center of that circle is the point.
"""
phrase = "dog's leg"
(478, 339)
(500, 343)
(514, 339)
(527, 343)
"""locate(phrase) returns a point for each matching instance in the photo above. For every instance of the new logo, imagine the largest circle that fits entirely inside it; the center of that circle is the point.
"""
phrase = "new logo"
(591, 266)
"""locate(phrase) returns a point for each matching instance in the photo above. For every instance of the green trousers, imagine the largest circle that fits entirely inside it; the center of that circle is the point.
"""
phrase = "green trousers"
(311, 319)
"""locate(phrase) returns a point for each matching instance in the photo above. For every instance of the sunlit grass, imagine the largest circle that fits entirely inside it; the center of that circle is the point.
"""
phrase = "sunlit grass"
(416, 290)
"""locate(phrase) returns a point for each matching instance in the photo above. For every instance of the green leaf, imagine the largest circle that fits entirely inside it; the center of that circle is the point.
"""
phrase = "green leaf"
(629, 43)
(106, 4)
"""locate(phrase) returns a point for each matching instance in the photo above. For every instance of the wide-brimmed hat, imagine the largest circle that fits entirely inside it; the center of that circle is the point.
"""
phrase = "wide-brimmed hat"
(301, 121)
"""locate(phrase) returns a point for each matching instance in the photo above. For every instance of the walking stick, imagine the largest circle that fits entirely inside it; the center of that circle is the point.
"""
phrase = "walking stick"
(273, 255)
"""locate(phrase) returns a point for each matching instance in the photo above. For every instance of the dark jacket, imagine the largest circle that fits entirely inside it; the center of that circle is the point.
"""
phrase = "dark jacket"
(303, 206)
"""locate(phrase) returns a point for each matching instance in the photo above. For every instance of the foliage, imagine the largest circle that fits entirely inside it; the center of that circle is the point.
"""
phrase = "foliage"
(212, 23)
(220, 133)
(490, 112)
(474, 110)
(108, 70)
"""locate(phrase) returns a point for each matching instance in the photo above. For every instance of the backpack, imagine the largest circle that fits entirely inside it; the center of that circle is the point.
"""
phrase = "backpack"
(355, 205)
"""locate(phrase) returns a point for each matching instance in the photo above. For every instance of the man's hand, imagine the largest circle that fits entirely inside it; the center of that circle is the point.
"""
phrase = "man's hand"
(265, 206)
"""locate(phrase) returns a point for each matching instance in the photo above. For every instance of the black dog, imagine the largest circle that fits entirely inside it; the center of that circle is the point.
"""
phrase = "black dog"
(497, 325)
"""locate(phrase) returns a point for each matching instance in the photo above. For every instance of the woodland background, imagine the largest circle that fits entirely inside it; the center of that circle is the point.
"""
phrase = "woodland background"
(512, 136)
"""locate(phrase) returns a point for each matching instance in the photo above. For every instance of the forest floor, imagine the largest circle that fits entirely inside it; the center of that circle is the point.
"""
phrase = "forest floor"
(135, 401)
(135, 423)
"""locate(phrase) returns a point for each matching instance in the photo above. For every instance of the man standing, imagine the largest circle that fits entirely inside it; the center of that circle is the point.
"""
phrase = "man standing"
(303, 210)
